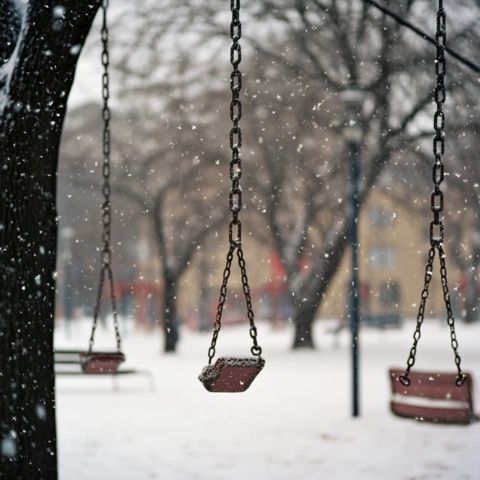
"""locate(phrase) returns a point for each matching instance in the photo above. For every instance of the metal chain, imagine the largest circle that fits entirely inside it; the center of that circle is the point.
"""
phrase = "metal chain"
(461, 377)
(221, 302)
(106, 253)
(256, 349)
(437, 204)
(235, 195)
(404, 379)
(438, 172)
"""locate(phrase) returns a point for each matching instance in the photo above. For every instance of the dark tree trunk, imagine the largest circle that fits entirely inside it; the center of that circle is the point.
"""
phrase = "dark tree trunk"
(170, 278)
(34, 100)
(315, 287)
(203, 295)
(170, 319)
(303, 321)
(471, 296)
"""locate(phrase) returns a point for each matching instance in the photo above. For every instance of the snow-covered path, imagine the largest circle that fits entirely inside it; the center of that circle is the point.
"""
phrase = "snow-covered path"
(293, 423)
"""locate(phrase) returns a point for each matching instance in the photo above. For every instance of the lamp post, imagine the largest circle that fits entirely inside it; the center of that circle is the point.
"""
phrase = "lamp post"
(66, 235)
(352, 100)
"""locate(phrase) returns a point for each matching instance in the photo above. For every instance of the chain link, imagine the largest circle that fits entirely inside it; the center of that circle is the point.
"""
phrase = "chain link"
(106, 253)
(235, 195)
(437, 205)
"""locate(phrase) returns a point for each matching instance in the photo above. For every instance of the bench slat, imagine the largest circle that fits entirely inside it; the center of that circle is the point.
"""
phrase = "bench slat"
(101, 374)
(68, 352)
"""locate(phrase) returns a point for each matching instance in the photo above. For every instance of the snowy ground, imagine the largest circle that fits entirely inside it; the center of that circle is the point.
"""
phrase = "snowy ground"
(293, 423)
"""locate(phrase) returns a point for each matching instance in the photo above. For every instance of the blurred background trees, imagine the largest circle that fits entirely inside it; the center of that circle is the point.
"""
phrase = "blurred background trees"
(299, 57)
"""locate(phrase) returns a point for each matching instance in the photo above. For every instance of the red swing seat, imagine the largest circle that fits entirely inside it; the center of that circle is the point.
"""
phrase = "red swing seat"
(230, 374)
(432, 397)
(101, 362)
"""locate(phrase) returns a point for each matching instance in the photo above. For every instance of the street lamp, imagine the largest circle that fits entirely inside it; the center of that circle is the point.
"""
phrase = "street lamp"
(353, 100)
(66, 236)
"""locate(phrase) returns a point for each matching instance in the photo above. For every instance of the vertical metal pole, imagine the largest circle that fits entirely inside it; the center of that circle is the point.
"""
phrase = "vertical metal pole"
(67, 294)
(68, 277)
(204, 324)
(354, 290)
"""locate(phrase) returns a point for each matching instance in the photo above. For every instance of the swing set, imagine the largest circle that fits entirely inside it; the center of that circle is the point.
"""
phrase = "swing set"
(93, 361)
(429, 396)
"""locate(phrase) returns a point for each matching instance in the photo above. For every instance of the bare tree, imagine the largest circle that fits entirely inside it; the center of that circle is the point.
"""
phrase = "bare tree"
(462, 225)
(372, 55)
(168, 179)
(307, 53)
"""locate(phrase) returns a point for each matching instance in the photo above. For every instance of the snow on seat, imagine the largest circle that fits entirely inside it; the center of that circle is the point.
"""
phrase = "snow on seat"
(229, 374)
(432, 397)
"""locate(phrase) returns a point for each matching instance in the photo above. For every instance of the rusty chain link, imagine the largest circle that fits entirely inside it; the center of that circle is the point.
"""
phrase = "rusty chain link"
(106, 252)
(437, 205)
(235, 195)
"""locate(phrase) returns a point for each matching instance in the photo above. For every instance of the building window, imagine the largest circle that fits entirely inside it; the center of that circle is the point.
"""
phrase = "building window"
(389, 293)
(382, 257)
(380, 217)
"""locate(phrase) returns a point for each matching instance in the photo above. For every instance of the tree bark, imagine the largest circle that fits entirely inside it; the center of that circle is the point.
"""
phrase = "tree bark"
(9, 29)
(315, 286)
(33, 108)
(303, 320)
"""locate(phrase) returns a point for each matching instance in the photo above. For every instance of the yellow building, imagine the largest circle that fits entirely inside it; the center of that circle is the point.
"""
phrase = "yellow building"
(394, 242)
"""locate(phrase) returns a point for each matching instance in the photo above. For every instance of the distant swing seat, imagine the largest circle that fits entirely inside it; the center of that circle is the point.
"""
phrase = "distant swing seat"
(101, 362)
(230, 374)
(433, 397)
(69, 363)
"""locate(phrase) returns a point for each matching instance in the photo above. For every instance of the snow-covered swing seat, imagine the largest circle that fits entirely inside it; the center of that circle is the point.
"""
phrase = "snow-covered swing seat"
(433, 397)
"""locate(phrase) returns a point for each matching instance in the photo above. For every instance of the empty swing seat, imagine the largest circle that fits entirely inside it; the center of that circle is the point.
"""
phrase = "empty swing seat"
(432, 397)
(230, 374)
(101, 362)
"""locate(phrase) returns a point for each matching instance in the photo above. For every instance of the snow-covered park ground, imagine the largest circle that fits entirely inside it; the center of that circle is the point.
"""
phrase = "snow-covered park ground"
(293, 423)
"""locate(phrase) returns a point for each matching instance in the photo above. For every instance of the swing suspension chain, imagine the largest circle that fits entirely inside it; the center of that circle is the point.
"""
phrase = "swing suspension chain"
(461, 377)
(106, 252)
(235, 195)
(221, 302)
(437, 205)
(438, 172)
(404, 379)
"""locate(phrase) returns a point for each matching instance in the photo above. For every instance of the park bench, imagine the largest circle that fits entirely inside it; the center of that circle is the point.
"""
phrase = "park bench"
(389, 320)
(68, 363)
(384, 321)
(432, 397)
